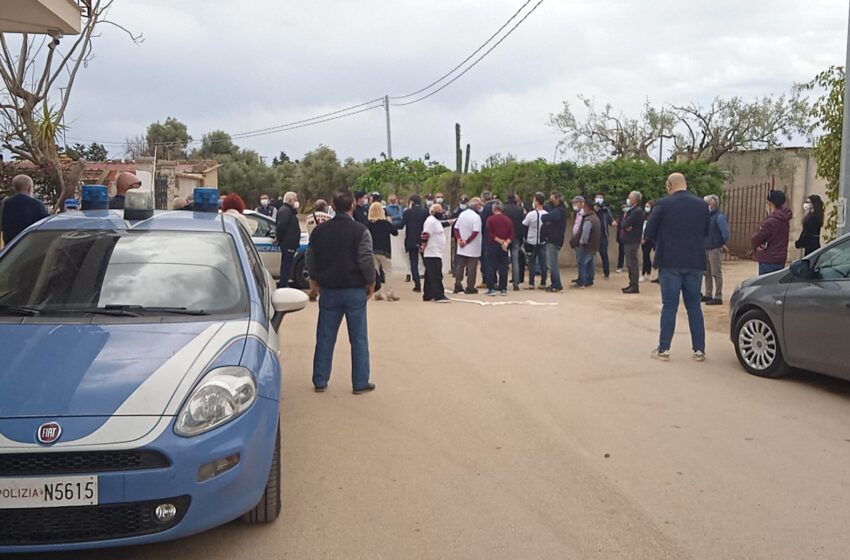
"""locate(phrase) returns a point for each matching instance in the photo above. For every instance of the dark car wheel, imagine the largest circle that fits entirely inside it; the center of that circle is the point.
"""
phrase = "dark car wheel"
(270, 504)
(757, 346)
(299, 274)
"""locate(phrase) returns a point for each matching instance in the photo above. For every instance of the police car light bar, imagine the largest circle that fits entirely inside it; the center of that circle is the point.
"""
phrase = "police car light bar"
(138, 205)
(95, 197)
(205, 199)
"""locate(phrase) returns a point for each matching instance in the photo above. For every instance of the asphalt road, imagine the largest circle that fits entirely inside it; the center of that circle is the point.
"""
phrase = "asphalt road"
(547, 432)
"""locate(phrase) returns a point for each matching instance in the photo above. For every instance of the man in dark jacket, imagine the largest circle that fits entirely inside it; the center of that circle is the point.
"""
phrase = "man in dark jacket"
(486, 212)
(588, 242)
(632, 227)
(605, 221)
(20, 210)
(770, 242)
(342, 274)
(516, 214)
(361, 204)
(413, 220)
(287, 236)
(554, 228)
(715, 243)
(677, 229)
(125, 182)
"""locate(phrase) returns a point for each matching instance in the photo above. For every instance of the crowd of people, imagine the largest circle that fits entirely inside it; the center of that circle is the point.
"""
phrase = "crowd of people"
(349, 257)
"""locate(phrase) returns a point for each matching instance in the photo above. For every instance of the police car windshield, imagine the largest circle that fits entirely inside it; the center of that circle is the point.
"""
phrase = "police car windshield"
(149, 272)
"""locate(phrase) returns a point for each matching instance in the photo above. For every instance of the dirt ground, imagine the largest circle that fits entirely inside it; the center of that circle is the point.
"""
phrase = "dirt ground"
(547, 432)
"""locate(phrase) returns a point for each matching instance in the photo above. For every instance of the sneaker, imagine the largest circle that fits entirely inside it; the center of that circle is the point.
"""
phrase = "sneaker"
(392, 298)
(366, 389)
(656, 281)
(705, 299)
(458, 289)
(644, 278)
(491, 293)
(320, 389)
(530, 287)
(577, 287)
(443, 300)
(417, 289)
(503, 293)
(542, 287)
(699, 356)
(664, 356)
(715, 301)
(516, 287)
(619, 271)
(379, 297)
(471, 291)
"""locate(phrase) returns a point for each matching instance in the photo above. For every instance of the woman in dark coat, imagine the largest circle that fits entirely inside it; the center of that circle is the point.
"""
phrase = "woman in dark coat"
(381, 227)
(809, 239)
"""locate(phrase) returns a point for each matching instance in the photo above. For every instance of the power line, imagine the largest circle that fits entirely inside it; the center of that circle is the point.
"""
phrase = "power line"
(474, 64)
(467, 59)
(368, 105)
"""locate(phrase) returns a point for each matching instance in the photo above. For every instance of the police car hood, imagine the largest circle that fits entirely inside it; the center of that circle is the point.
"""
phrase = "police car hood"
(105, 370)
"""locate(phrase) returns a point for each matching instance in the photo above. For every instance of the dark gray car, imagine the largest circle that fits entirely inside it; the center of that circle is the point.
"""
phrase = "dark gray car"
(798, 317)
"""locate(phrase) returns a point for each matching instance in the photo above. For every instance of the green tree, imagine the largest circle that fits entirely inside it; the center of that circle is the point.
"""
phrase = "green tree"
(171, 138)
(828, 112)
(403, 176)
(319, 174)
(92, 152)
(217, 142)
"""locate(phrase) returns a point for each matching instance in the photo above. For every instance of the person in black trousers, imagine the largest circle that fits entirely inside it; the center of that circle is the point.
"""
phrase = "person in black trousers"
(413, 221)
(606, 219)
(809, 240)
(647, 245)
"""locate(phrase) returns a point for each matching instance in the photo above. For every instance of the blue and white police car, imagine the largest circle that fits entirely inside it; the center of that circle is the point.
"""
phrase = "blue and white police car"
(139, 380)
(262, 230)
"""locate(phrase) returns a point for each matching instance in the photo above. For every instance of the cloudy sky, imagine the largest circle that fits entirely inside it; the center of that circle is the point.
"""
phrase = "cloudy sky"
(251, 64)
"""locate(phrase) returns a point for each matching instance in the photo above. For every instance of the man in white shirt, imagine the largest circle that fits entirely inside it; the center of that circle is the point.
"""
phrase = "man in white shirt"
(535, 244)
(434, 239)
(467, 232)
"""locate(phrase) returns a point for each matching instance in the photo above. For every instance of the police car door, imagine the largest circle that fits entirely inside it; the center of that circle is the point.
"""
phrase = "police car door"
(262, 234)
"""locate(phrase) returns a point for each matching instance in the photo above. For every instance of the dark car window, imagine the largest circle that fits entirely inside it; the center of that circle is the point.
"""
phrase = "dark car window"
(56, 270)
(257, 269)
(259, 226)
(834, 263)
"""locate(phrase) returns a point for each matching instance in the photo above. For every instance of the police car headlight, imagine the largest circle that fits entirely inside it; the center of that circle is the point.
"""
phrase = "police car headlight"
(222, 395)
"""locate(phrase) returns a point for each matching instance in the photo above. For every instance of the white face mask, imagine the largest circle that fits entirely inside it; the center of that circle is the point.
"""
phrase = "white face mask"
(648, 209)
(264, 201)
(807, 207)
(296, 205)
(628, 204)
(600, 200)
(576, 208)
(463, 206)
(440, 200)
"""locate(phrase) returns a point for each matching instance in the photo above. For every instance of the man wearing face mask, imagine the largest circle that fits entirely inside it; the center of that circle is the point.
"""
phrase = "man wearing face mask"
(555, 230)
(587, 244)
(265, 208)
(632, 226)
(678, 228)
(441, 200)
(288, 236)
(605, 220)
(463, 204)
(394, 210)
(770, 242)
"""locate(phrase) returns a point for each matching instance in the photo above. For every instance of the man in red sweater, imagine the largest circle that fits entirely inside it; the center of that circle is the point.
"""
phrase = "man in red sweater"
(500, 233)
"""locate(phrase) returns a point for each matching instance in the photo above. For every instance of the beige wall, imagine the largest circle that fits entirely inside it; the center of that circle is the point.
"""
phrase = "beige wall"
(795, 174)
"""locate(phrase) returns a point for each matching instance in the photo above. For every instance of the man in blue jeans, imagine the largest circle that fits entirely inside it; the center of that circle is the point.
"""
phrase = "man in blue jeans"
(555, 228)
(342, 273)
(677, 229)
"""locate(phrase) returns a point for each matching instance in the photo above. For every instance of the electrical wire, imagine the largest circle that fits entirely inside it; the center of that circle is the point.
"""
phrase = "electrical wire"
(467, 59)
(473, 65)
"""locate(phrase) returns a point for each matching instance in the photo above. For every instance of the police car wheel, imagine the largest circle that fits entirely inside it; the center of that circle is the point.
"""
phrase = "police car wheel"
(299, 276)
(268, 509)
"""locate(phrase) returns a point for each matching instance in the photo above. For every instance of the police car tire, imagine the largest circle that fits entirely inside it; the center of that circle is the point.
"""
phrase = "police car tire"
(268, 509)
(299, 275)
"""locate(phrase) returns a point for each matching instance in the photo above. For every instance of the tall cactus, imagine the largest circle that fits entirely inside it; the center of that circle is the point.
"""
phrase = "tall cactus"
(458, 151)
(466, 165)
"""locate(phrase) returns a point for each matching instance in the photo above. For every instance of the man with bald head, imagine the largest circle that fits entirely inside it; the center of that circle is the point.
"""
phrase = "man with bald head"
(20, 210)
(677, 228)
(125, 182)
(287, 236)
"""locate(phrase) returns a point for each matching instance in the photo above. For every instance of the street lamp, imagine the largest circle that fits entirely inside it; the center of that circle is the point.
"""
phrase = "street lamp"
(844, 182)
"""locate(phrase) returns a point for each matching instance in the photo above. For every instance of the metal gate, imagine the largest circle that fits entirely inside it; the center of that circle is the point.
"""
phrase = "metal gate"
(160, 192)
(744, 207)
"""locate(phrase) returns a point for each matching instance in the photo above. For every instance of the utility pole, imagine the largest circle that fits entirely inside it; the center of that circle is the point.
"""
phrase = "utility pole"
(389, 130)
(844, 182)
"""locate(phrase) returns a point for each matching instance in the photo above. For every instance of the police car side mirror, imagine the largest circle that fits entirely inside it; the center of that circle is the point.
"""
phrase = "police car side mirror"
(287, 300)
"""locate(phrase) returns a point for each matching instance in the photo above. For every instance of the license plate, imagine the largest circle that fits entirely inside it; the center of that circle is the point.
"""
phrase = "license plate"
(46, 492)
